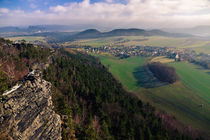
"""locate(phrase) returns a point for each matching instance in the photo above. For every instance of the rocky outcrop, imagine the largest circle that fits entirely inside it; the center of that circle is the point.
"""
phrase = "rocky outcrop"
(27, 113)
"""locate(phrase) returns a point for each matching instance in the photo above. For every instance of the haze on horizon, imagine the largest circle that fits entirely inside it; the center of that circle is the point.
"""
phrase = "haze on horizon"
(106, 13)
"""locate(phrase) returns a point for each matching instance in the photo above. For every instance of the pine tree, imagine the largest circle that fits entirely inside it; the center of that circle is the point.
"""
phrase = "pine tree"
(141, 134)
(148, 134)
(106, 135)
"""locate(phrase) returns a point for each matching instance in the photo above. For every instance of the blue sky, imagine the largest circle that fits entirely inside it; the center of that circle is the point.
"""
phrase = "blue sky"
(27, 4)
(30, 5)
(106, 13)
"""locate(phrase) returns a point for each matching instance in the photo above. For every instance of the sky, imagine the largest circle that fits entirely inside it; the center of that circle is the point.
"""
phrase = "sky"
(106, 13)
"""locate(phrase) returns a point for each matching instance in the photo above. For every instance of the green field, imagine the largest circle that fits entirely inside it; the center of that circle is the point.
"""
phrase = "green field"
(182, 99)
(122, 69)
(198, 44)
(28, 38)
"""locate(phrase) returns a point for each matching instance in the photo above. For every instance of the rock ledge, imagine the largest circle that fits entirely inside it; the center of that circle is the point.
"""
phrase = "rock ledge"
(27, 113)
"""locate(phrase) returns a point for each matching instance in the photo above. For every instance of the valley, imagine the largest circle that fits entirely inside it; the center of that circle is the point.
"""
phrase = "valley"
(182, 105)
(104, 70)
(188, 99)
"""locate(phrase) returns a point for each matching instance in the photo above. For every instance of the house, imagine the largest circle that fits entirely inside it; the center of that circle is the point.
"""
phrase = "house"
(177, 57)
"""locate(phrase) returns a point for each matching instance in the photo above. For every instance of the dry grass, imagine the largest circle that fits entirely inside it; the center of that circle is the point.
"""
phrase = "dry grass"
(162, 59)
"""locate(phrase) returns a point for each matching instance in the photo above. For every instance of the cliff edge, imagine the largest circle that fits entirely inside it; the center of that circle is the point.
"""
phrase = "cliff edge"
(27, 112)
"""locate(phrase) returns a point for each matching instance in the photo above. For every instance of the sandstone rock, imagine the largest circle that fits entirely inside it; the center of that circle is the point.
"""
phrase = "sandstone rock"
(27, 113)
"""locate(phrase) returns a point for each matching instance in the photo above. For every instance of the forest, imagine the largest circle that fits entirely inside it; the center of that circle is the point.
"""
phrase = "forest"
(95, 106)
(163, 72)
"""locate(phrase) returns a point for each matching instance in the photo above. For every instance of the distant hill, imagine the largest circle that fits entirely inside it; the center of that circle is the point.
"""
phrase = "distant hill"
(198, 30)
(62, 33)
(10, 29)
(90, 33)
(93, 33)
(36, 28)
(126, 32)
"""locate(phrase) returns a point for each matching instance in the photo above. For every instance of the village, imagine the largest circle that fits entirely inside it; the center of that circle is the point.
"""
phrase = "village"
(178, 54)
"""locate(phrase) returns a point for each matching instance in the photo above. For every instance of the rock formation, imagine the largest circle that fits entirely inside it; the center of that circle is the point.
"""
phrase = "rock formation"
(27, 113)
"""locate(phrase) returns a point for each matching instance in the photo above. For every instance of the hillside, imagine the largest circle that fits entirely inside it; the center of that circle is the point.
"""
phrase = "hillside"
(96, 105)
(90, 102)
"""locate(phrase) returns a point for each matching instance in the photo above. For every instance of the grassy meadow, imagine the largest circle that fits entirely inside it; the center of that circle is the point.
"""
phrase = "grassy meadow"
(122, 69)
(182, 99)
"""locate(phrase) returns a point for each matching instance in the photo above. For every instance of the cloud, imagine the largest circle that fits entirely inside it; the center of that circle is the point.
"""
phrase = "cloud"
(111, 14)
(58, 8)
(4, 11)
(33, 6)
(109, 1)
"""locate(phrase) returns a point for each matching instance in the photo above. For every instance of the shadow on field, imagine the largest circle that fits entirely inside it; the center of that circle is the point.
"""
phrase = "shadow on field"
(146, 78)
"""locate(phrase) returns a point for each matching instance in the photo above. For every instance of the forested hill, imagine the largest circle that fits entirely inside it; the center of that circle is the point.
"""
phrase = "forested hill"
(94, 105)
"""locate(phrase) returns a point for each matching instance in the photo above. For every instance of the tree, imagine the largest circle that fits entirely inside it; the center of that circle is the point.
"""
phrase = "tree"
(3, 81)
(148, 134)
(141, 134)
(106, 135)
(90, 133)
